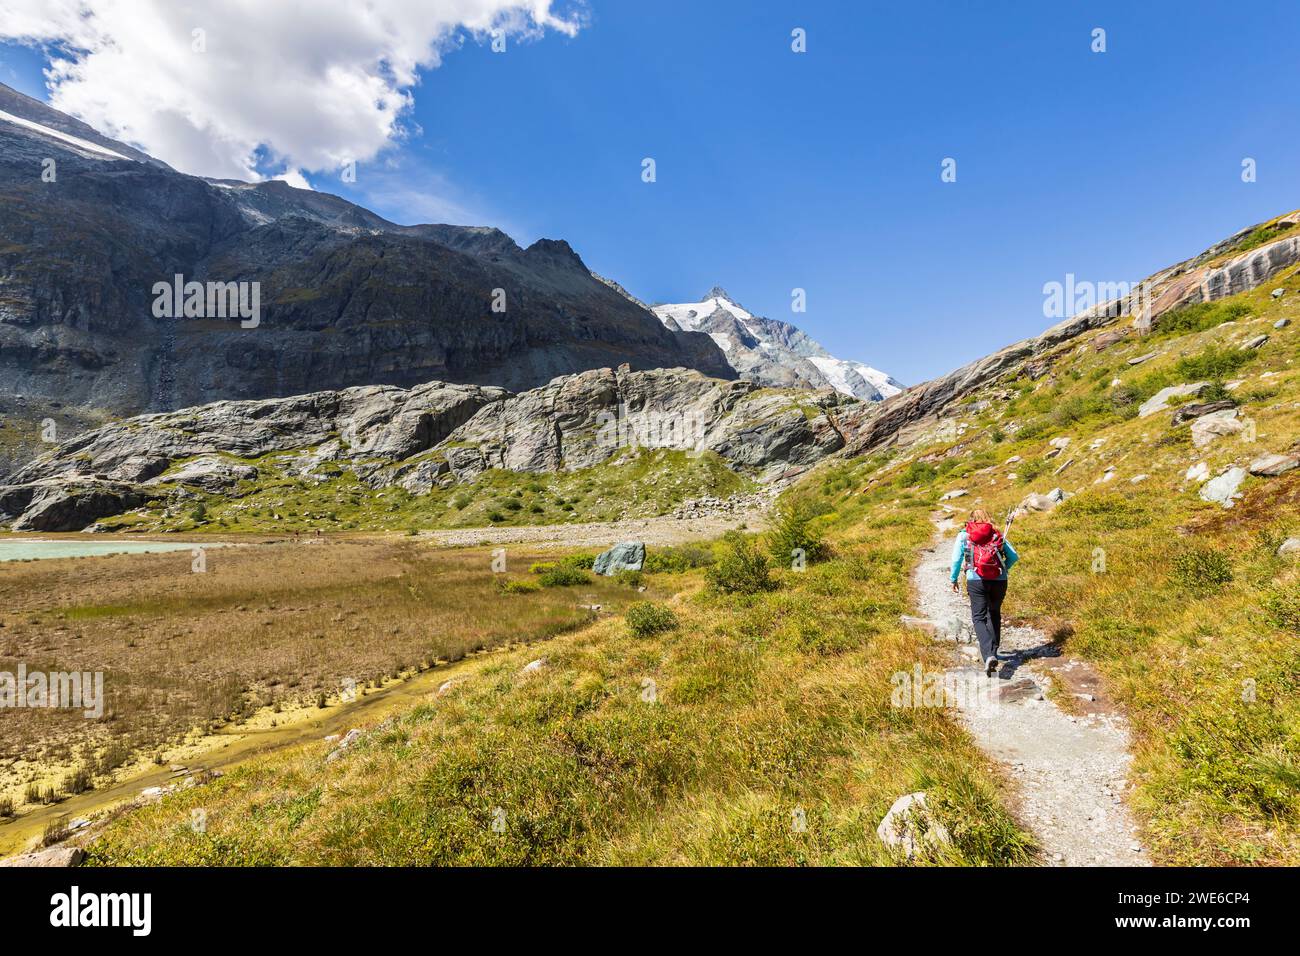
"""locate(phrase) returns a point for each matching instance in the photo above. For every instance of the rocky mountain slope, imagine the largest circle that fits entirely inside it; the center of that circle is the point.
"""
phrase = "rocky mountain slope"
(346, 298)
(435, 435)
(772, 352)
(1250, 258)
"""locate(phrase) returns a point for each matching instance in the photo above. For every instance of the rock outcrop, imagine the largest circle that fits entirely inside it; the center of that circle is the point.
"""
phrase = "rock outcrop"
(432, 435)
(1205, 278)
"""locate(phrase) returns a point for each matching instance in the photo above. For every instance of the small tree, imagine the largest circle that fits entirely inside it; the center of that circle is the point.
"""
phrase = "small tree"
(793, 529)
(743, 569)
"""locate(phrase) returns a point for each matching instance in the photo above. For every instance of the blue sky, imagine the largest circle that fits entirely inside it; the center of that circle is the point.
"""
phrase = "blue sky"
(821, 170)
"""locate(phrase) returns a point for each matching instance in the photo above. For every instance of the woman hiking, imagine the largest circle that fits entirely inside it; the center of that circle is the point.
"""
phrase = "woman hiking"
(987, 557)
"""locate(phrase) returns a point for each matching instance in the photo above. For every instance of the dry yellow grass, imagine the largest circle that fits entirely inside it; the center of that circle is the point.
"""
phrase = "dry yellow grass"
(264, 625)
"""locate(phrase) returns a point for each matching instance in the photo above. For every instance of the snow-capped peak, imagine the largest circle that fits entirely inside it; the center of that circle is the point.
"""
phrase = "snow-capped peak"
(771, 352)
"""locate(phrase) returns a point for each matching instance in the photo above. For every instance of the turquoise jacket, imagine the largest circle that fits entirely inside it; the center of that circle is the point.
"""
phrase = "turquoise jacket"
(1009, 557)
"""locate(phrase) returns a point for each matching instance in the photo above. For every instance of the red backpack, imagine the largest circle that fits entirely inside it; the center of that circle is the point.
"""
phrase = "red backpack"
(984, 549)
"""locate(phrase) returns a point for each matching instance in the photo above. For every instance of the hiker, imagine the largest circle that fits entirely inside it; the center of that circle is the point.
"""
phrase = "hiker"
(987, 557)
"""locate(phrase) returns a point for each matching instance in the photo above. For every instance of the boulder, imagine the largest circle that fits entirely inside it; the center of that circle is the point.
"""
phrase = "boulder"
(71, 506)
(1254, 343)
(624, 556)
(955, 493)
(1281, 323)
(1269, 466)
(51, 858)
(1107, 339)
(209, 473)
(1224, 489)
(350, 738)
(1185, 413)
(910, 826)
(1139, 359)
(1277, 293)
(1160, 400)
(533, 667)
(1289, 546)
(1198, 472)
(1215, 425)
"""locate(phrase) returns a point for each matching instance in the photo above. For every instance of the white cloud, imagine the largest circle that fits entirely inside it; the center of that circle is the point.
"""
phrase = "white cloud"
(306, 84)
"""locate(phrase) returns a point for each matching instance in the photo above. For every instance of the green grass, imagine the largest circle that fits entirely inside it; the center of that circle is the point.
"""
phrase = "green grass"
(1192, 618)
(640, 484)
(695, 744)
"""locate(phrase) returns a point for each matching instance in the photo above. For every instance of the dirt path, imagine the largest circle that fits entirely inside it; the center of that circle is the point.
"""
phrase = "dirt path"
(1071, 768)
(602, 534)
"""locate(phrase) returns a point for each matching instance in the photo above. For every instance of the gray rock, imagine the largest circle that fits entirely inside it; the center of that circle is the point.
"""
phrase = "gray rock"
(910, 826)
(1160, 400)
(1281, 323)
(534, 667)
(55, 505)
(625, 556)
(1270, 466)
(1277, 293)
(1208, 428)
(1224, 489)
(54, 857)
(1185, 413)
(1289, 546)
(209, 472)
(1138, 360)
(1255, 342)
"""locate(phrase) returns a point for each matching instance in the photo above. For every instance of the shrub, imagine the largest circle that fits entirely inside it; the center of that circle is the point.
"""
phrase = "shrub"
(461, 501)
(6, 807)
(561, 576)
(56, 831)
(1197, 567)
(1282, 605)
(675, 560)
(1109, 512)
(495, 515)
(917, 473)
(77, 782)
(742, 569)
(645, 618)
(793, 530)
(1213, 363)
(632, 579)
(520, 586)
(1201, 316)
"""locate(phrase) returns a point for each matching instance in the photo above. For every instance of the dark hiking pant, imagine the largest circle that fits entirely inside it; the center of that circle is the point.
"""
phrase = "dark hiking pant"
(986, 613)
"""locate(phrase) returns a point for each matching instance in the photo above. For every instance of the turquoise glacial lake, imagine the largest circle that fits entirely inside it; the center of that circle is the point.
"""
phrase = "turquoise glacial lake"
(13, 549)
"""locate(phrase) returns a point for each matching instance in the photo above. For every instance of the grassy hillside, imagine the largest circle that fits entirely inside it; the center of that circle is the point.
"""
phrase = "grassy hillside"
(701, 740)
(700, 743)
(636, 484)
(1187, 609)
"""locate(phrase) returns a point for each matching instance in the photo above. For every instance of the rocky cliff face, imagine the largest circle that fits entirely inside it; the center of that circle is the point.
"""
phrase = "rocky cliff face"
(434, 434)
(346, 298)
